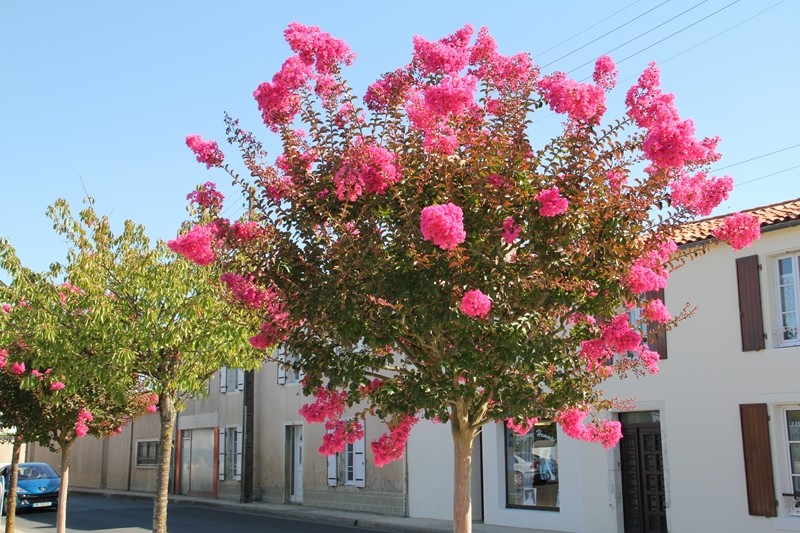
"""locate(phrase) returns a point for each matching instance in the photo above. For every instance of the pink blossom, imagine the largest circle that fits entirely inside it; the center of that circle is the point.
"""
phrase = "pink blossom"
(507, 73)
(367, 169)
(552, 203)
(523, 427)
(3, 358)
(582, 102)
(443, 224)
(152, 408)
(511, 230)
(389, 90)
(498, 181)
(607, 432)
(656, 311)
(17, 368)
(274, 329)
(81, 428)
(56, 386)
(327, 404)
(246, 231)
(339, 433)
(318, 47)
(35, 373)
(605, 73)
(207, 152)
(594, 352)
(446, 56)
(672, 145)
(647, 272)
(616, 180)
(244, 290)
(391, 446)
(451, 96)
(739, 230)
(476, 304)
(647, 105)
(619, 336)
(571, 422)
(649, 359)
(699, 194)
(207, 196)
(278, 100)
(5, 308)
(197, 245)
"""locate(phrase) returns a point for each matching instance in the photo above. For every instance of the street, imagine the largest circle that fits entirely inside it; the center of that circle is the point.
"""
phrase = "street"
(122, 515)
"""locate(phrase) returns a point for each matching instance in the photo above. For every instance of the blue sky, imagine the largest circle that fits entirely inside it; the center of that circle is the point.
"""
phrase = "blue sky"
(97, 97)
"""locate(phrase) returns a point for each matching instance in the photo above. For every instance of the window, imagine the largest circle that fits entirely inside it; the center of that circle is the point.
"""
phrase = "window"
(230, 453)
(286, 374)
(793, 448)
(231, 380)
(354, 466)
(787, 284)
(146, 453)
(532, 468)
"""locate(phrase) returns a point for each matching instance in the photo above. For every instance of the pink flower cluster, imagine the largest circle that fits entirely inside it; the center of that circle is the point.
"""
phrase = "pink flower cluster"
(582, 102)
(649, 359)
(40, 375)
(390, 90)
(507, 73)
(647, 272)
(152, 402)
(553, 204)
(522, 427)
(656, 311)
(699, 194)
(451, 96)
(511, 230)
(81, 428)
(670, 141)
(616, 179)
(367, 169)
(317, 47)
(68, 288)
(244, 290)
(207, 152)
(619, 336)
(339, 433)
(56, 386)
(207, 196)
(17, 368)
(476, 304)
(327, 404)
(739, 230)
(3, 358)
(606, 432)
(246, 231)
(391, 446)
(605, 73)
(197, 245)
(5, 308)
(446, 56)
(443, 224)
(278, 100)
(277, 325)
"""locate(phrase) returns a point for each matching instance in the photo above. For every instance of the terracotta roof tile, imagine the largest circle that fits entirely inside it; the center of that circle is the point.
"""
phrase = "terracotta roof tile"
(771, 214)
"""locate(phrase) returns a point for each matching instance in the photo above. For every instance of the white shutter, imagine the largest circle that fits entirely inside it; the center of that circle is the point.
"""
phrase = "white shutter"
(240, 380)
(280, 356)
(332, 471)
(223, 380)
(239, 445)
(221, 460)
(359, 464)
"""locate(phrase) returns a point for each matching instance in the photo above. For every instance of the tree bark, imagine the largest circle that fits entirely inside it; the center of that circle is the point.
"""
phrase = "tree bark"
(463, 437)
(166, 406)
(61, 510)
(11, 503)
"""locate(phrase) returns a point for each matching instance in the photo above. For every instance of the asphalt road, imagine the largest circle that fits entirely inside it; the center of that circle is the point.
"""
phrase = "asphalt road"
(118, 515)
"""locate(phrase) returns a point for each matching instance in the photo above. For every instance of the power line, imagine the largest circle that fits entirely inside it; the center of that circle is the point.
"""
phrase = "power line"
(767, 175)
(754, 158)
(586, 29)
(608, 33)
(645, 33)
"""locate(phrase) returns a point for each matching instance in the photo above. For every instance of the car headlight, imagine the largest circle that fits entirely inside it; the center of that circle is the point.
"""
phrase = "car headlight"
(20, 490)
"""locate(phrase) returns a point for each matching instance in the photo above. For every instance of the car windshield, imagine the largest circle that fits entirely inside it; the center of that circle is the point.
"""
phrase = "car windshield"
(37, 471)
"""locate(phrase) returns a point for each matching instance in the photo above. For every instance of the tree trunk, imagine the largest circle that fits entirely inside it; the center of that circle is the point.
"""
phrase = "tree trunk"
(11, 502)
(61, 511)
(166, 406)
(463, 437)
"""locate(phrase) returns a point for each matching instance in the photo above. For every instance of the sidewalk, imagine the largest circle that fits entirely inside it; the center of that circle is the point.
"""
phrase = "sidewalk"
(317, 514)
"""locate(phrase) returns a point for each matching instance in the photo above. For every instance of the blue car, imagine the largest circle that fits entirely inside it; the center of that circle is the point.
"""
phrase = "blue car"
(37, 486)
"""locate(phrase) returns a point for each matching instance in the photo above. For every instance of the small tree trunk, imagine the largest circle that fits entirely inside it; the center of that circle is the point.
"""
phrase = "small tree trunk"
(61, 511)
(463, 437)
(11, 502)
(166, 407)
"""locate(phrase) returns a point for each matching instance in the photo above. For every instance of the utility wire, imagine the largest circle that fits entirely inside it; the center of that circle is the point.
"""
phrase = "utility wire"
(754, 158)
(586, 29)
(607, 33)
(767, 175)
(643, 34)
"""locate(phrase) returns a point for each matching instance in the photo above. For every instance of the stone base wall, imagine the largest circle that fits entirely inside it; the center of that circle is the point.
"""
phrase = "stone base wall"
(388, 503)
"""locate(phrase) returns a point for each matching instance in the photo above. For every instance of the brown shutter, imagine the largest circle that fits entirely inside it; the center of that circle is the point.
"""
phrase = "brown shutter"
(657, 333)
(757, 459)
(750, 303)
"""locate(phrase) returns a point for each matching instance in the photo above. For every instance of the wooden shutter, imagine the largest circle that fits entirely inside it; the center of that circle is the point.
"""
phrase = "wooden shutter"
(237, 475)
(332, 471)
(758, 459)
(221, 456)
(657, 333)
(359, 464)
(750, 318)
(239, 380)
(223, 380)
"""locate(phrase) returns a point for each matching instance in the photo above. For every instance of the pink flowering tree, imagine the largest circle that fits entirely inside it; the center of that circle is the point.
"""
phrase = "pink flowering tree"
(420, 258)
(132, 328)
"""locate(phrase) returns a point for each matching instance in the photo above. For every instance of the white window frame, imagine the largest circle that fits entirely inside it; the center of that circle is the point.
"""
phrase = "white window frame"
(787, 444)
(230, 457)
(286, 374)
(138, 462)
(355, 464)
(777, 308)
(231, 380)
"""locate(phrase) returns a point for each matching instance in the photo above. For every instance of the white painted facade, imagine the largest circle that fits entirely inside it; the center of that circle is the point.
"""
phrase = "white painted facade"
(696, 398)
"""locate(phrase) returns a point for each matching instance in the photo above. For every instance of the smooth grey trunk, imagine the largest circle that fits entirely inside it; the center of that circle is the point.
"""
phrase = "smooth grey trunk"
(463, 436)
(166, 406)
(11, 502)
(61, 511)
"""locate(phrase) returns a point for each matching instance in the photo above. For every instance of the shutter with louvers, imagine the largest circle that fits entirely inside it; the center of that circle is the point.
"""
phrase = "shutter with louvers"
(359, 464)
(238, 464)
(757, 459)
(750, 318)
(281, 357)
(221, 455)
(332, 473)
(657, 333)
(239, 380)
(223, 380)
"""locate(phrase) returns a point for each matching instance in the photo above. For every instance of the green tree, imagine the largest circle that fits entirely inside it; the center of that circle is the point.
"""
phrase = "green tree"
(424, 258)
